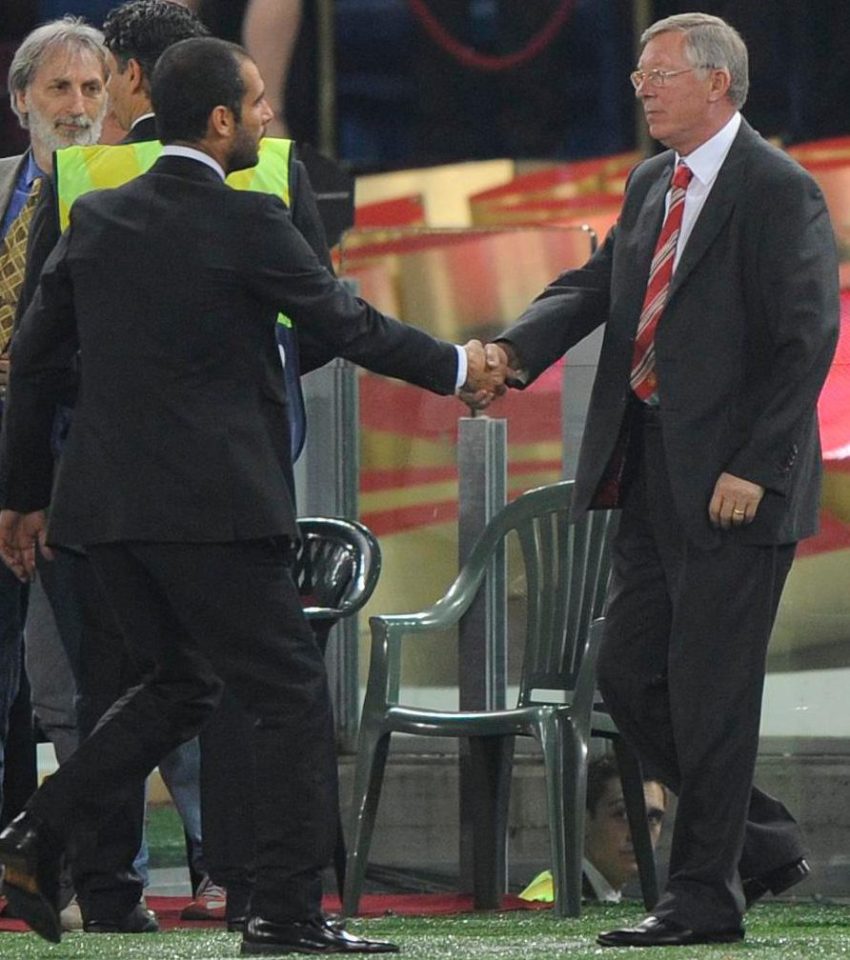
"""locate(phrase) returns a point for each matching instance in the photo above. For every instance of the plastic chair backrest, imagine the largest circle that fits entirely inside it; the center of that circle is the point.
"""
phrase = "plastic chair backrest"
(565, 563)
(336, 567)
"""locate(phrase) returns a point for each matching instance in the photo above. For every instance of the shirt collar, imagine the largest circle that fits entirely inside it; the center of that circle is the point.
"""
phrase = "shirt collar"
(32, 171)
(175, 150)
(603, 890)
(705, 162)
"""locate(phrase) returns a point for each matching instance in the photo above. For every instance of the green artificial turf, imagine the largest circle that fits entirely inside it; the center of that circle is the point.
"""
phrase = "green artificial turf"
(164, 833)
(806, 931)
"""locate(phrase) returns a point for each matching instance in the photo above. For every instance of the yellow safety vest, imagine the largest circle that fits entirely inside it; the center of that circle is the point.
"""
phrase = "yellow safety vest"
(79, 170)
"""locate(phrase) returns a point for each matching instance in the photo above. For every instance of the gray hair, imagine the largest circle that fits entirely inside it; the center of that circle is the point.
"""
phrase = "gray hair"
(72, 33)
(710, 43)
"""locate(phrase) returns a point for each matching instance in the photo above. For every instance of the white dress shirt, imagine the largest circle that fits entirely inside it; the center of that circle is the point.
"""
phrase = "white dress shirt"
(705, 163)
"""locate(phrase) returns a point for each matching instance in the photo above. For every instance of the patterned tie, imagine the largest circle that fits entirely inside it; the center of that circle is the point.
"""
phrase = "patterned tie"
(13, 260)
(643, 379)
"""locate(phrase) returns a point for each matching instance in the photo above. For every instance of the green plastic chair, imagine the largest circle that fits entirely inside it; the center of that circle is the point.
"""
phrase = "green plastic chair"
(566, 564)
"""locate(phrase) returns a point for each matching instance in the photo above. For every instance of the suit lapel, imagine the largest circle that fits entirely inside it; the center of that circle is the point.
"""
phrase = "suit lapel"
(9, 169)
(651, 216)
(641, 243)
(717, 208)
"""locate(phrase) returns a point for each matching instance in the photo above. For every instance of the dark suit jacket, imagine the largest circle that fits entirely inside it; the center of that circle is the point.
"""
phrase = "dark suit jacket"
(742, 348)
(169, 287)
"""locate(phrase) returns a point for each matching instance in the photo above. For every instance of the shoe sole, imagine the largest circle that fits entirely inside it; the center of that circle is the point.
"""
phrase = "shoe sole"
(731, 937)
(28, 902)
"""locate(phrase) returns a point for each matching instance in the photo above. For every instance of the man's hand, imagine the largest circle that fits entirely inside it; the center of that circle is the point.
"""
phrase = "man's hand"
(734, 502)
(19, 535)
(495, 362)
(485, 375)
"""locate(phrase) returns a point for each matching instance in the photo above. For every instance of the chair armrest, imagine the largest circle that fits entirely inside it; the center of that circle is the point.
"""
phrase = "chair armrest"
(389, 630)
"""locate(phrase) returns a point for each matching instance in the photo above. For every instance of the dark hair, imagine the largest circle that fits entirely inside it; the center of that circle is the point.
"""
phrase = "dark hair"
(191, 78)
(600, 772)
(142, 30)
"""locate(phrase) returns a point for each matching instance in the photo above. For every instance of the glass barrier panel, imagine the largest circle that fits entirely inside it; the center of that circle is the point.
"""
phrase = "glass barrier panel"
(456, 284)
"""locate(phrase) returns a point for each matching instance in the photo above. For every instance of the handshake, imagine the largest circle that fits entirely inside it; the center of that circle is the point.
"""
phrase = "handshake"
(488, 374)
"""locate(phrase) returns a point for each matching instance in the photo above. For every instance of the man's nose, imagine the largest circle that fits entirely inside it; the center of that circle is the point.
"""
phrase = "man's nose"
(77, 104)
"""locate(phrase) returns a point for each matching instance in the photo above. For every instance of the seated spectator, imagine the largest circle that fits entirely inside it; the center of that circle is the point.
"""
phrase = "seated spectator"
(609, 857)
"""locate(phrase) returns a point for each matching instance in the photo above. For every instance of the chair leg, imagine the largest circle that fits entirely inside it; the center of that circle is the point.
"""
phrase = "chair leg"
(368, 779)
(491, 762)
(631, 777)
(565, 766)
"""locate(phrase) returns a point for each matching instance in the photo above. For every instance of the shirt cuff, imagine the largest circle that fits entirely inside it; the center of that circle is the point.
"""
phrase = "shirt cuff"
(462, 368)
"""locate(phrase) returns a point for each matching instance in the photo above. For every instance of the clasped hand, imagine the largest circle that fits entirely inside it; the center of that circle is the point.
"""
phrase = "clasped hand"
(485, 374)
(497, 365)
(20, 533)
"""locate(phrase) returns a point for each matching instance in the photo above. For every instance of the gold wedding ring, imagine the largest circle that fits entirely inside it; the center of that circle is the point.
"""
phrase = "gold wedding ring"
(738, 511)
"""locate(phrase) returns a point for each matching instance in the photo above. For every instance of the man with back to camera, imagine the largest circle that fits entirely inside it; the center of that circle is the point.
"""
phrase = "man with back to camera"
(719, 290)
(136, 33)
(192, 541)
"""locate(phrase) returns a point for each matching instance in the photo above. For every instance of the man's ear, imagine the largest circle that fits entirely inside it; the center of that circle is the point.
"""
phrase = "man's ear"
(135, 76)
(21, 102)
(221, 121)
(721, 80)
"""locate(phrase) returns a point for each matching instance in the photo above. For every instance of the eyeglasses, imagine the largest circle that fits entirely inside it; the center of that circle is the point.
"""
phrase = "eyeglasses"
(656, 78)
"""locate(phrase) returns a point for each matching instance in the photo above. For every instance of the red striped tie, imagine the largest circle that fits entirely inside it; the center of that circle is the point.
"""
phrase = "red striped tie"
(643, 379)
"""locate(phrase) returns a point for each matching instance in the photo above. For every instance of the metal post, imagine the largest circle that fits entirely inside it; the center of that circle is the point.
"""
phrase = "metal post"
(327, 479)
(482, 661)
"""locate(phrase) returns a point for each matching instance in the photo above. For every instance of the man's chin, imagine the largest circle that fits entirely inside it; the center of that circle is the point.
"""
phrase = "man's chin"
(81, 137)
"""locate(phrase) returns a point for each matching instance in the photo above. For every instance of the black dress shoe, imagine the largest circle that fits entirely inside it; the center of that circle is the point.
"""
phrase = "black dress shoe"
(138, 920)
(31, 879)
(660, 932)
(308, 936)
(776, 881)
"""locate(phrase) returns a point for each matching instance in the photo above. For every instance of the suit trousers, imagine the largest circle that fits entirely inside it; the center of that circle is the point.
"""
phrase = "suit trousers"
(204, 614)
(227, 825)
(682, 670)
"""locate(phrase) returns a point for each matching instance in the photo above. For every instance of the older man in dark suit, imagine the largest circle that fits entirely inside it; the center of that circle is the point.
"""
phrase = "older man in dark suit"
(718, 287)
(177, 477)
